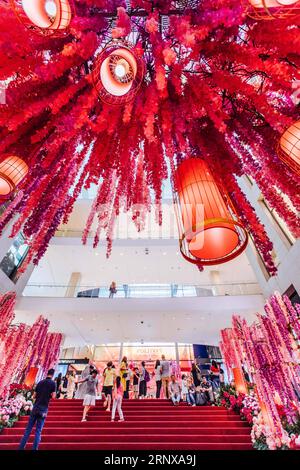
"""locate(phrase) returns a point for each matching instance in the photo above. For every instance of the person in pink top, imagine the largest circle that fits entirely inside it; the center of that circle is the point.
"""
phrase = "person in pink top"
(117, 400)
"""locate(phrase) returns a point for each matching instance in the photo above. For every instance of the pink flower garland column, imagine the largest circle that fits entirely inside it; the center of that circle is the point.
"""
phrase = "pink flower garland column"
(269, 348)
(7, 304)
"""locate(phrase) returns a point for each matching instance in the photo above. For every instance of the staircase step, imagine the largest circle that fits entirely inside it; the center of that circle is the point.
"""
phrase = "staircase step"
(114, 435)
(123, 428)
(144, 424)
(156, 445)
(149, 425)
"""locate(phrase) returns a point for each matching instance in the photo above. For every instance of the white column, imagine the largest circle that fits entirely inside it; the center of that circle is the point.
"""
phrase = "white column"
(74, 282)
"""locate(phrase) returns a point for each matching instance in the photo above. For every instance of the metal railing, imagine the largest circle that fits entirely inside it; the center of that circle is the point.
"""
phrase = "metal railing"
(135, 291)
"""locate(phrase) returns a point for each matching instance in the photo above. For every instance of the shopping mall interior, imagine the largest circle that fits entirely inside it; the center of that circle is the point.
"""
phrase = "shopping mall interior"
(149, 189)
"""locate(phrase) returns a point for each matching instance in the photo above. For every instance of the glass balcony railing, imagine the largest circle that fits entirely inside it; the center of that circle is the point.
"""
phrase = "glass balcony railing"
(142, 291)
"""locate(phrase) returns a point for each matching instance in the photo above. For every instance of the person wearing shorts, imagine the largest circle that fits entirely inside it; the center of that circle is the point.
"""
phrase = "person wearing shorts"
(91, 392)
(109, 375)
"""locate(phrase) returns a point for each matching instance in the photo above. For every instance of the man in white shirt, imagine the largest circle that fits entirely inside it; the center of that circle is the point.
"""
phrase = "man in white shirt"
(165, 375)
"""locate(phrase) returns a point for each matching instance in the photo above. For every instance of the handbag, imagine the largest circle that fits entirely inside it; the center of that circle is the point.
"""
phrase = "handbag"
(200, 398)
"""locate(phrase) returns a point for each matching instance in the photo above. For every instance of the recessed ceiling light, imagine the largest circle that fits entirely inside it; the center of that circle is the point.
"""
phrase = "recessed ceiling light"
(164, 253)
(121, 254)
(81, 319)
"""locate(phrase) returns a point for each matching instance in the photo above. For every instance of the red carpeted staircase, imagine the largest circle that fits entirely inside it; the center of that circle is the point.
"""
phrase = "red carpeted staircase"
(149, 424)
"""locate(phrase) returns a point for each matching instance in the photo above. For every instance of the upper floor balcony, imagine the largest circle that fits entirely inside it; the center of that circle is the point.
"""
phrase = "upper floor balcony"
(143, 291)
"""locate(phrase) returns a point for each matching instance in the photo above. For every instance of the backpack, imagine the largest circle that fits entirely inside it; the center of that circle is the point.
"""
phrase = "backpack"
(147, 376)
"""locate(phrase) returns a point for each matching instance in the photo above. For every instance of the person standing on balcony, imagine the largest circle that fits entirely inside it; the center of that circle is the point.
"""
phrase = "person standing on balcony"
(112, 289)
(165, 375)
(44, 391)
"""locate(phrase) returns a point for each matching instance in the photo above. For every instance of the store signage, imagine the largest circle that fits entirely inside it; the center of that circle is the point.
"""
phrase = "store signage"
(73, 361)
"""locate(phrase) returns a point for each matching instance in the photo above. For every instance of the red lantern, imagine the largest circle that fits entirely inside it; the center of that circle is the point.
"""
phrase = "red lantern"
(211, 231)
(47, 17)
(12, 171)
(239, 380)
(289, 147)
(273, 9)
(31, 376)
(117, 73)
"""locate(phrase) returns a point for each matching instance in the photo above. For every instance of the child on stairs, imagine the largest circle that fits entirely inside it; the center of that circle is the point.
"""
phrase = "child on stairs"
(117, 400)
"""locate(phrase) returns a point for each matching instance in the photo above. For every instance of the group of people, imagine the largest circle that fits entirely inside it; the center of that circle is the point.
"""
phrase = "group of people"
(66, 386)
(135, 381)
(193, 388)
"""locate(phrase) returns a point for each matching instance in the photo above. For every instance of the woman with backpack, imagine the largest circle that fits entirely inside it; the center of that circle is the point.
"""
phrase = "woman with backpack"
(144, 379)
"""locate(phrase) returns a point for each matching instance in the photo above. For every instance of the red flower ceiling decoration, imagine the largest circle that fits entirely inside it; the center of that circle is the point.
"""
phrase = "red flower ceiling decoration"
(217, 84)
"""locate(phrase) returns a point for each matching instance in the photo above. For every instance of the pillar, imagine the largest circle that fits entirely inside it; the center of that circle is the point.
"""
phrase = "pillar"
(74, 282)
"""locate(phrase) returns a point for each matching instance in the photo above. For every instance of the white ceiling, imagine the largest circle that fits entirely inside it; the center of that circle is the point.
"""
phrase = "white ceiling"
(129, 264)
(100, 321)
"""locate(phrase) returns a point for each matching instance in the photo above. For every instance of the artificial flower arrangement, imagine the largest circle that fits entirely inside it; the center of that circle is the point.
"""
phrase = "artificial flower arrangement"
(16, 389)
(245, 405)
(262, 437)
(12, 408)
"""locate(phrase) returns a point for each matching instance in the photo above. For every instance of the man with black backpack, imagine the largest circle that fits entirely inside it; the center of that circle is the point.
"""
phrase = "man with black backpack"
(44, 391)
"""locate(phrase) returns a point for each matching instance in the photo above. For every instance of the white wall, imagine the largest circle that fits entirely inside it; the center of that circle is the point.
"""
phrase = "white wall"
(287, 257)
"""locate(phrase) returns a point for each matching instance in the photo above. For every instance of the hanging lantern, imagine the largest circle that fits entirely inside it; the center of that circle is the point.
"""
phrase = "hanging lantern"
(117, 73)
(12, 171)
(289, 147)
(47, 17)
(211, 231)
(239, 380)
(272, 9)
